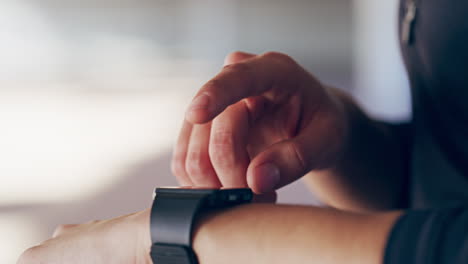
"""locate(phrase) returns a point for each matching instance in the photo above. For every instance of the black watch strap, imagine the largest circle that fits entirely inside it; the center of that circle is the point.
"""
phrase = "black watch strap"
(173, 214)
(171, 225)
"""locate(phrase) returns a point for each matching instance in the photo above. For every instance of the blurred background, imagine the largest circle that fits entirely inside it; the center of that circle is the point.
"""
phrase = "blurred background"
(92, 92)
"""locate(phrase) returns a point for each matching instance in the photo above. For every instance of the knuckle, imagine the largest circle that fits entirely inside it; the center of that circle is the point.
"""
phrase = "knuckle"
(222, 147)
(239, 67)
(291, 71)
(213, 87)
(214, 84)
(197, 163)
(281, 57)
(222, 141)
(239, 72)
(234, 56)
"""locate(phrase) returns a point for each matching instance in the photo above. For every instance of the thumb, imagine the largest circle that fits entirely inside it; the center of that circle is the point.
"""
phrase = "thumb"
(276, 166)
(288, 160)
(236, 57)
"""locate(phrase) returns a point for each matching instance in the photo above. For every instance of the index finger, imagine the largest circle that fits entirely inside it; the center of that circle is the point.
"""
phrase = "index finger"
(271, 71)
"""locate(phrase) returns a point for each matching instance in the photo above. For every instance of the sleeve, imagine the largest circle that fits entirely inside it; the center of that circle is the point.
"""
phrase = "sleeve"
(403, 133)
(429, 237)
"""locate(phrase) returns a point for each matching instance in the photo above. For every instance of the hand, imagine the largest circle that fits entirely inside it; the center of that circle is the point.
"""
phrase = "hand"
(124, 240)
(121, 240)
(262, 122)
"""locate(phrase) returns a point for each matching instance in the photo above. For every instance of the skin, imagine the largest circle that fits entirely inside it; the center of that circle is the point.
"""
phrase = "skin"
(371, 175)
(267, 110)
(264, 122)
(306, 235)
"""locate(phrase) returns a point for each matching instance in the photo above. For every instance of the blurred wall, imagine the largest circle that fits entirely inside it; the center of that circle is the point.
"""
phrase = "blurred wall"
(92, 93)
(380, 81)
(83, 40)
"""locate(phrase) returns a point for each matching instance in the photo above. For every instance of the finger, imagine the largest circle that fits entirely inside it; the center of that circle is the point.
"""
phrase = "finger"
(237, 57)
(315, 147)
(273, 72)
(228, 145)
(198, 164)
(61, 229)
(179, 155)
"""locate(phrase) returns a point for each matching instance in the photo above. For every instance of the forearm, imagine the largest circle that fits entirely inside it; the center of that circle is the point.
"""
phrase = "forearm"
(372, 172)
(269, 233)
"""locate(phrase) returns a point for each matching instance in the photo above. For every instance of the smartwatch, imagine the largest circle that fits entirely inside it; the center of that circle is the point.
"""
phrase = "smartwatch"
(173, 213)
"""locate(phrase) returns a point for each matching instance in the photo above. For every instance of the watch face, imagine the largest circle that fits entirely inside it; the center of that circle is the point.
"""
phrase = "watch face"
(213, 196)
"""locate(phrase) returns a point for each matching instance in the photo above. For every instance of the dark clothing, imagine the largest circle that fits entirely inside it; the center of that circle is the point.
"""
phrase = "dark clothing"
(435, 229)
(437, 63)
(433, 236)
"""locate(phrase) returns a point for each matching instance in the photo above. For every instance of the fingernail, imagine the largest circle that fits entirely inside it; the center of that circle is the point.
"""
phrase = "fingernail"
(200, 102)
(268, 177)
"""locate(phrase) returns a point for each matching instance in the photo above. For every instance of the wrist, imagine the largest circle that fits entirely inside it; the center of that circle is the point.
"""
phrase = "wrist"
(218, 233)
(346, 113)
(141, 221)
(208, 228)
(355, 124)
(369, 148)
